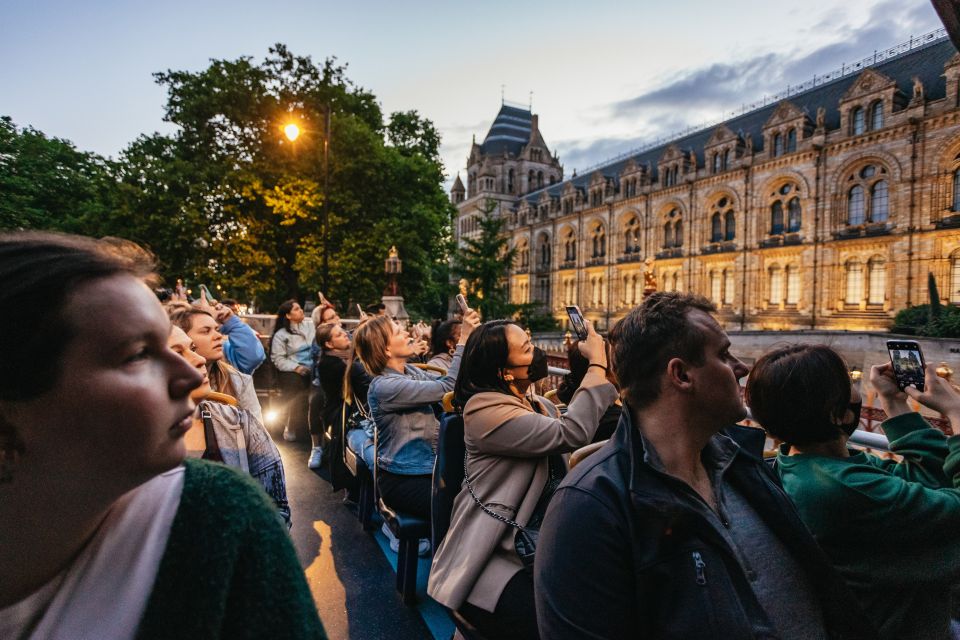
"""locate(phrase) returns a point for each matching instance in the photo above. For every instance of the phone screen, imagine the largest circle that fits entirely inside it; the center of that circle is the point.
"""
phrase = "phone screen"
(462, 302)
(907, 363)
(577, 322)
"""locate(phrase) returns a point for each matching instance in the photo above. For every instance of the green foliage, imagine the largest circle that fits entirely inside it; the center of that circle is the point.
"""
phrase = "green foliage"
(533, 317)
(484, 262)
(919, 320)
(229, 200)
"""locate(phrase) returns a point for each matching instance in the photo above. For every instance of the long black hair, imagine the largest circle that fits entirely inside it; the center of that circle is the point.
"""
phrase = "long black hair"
(484, 356)
(282, 322)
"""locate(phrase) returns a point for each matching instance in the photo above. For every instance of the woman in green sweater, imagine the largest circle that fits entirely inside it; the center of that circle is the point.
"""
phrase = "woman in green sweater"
(105, 532)
(888, 526)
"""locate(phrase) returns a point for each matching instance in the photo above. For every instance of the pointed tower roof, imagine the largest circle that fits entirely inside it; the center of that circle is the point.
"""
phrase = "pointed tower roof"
(457, 185)
(509, 132)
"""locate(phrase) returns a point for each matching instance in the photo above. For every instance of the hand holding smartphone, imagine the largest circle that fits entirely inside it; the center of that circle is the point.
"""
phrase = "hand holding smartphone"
(577, 322)
(464, 307)
(907, 360)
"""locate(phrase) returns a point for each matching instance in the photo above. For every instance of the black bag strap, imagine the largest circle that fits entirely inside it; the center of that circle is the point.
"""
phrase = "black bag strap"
(212, 449)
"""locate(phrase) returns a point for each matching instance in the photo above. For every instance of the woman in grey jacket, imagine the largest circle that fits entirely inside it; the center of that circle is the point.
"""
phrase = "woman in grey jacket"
(401, 398)
(514, 442)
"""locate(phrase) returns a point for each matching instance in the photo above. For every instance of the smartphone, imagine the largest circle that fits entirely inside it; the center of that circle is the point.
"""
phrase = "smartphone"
(361, 311)
(464, 307)
(210, 297)
(577, 322)
(907, 361)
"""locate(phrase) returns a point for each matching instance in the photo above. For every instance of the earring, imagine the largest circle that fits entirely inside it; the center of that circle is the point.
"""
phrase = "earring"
(507, 377)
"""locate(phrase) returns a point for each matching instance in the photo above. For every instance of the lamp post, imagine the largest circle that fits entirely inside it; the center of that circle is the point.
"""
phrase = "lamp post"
(292, 132)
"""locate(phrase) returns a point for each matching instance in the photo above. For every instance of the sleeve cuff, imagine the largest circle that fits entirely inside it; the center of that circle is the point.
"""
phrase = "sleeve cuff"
(899, 426)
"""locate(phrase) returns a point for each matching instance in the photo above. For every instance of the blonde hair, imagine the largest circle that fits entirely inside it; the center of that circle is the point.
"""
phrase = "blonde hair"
(370, 344)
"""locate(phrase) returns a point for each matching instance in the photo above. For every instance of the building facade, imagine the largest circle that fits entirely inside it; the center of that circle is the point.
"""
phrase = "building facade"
(825, 210)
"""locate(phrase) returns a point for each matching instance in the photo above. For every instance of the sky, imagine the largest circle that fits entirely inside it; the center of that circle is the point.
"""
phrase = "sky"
(605, 77)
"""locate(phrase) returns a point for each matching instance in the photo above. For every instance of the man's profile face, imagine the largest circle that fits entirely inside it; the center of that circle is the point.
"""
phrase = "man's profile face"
(716, 385)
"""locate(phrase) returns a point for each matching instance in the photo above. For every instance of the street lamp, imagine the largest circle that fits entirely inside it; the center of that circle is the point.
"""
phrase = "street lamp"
(292, 131)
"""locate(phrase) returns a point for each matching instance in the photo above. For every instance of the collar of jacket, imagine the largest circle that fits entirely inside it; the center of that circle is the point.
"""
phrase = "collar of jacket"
(761, 488)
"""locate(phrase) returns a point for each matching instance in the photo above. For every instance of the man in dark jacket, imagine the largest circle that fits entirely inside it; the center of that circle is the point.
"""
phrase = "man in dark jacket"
(673, 530)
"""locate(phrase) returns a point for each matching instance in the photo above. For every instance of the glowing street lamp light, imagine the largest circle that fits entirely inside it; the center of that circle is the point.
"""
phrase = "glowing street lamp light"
(292, 132)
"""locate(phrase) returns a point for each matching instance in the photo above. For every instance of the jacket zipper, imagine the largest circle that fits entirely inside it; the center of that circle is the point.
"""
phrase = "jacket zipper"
(699, 565)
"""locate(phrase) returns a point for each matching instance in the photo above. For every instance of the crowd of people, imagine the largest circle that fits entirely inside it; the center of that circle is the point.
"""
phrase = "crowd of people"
(136, 429)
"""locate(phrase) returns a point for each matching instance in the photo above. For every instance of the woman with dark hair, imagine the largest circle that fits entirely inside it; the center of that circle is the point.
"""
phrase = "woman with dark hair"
(514, 441)
(443, 342)
(107, 532)
(578, 365)
(330, 369)
(290, 353)
(400, 399)
(882, 522)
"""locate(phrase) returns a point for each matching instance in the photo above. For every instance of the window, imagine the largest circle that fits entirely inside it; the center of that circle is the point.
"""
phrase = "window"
(879, 202)
(855, 211)
(776, 218)
(599, 240)
(791, 140)
(793, 284)
(776, 285)
(678, 233)
(858, 121)
(540, 178)
(667, 235)
(631, 236)
(726, 159)
(717, 163)
(730, 224)
(877, 280)
(854, 275)
(956, 190)
(716, 287)
(510, 181)
(954, 295)
(716, 228)
(777, 145)
(728, 285)
(876, 115)
(794, 217)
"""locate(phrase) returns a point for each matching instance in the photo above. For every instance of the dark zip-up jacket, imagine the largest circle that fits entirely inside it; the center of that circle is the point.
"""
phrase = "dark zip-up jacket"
(626, 551)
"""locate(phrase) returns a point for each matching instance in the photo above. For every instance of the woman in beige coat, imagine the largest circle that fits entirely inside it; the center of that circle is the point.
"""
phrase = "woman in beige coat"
(514, 441)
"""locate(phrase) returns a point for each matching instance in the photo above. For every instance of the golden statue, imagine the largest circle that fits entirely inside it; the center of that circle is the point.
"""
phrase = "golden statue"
(649, 279)
(393, 252)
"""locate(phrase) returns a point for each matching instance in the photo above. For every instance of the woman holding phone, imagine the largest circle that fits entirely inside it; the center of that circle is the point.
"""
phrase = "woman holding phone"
(514, 443)
(107, 532)
(882, 522)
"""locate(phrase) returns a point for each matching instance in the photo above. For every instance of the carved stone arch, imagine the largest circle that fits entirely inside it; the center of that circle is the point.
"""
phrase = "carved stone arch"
(947, 152)
(783, 176)
(624, 216)
(566, 229)
(668, 206)
(720, 192)
(876, 156)
(592, 223)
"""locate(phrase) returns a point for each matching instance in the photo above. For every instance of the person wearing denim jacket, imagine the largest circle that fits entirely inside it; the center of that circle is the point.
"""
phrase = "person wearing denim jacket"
(400, 399)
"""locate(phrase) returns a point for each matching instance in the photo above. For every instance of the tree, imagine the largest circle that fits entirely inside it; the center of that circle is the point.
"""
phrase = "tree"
(484, 262)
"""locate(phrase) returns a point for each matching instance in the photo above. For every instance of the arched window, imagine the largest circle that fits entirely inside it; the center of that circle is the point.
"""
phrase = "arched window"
(777, 145)
(730, 226)
(631, 236)
(667, 235)
(855, 212)
(716, 287)
(793, 284)
(791, 140)
(716, 228)
(776, 218)
(530, 178)
(726, 159)
(677, 281)
(879, 202)
(717, 160)
(854, 288)
(793, 215)
(776, 285)
(876, 115)
(540, 178)
(678, 233)
(956, 190)
(876, 280)
(510, 181)
(858, 121)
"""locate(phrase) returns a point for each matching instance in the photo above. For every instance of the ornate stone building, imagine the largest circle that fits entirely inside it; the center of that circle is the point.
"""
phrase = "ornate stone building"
(825, 210)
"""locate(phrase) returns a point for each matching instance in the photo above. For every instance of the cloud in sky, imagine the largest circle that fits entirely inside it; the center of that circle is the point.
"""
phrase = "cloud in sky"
(702, 94)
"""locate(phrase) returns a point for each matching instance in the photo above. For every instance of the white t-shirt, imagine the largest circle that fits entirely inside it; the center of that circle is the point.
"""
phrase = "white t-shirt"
(104, 593)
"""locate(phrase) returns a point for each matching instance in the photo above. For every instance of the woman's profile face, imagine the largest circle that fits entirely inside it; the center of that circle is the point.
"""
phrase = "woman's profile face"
(121, 403)
(181, 344)
(519, 350)
(454, 336)
(203, 332)
(295, 315)
(400, 344)
(338, 340)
